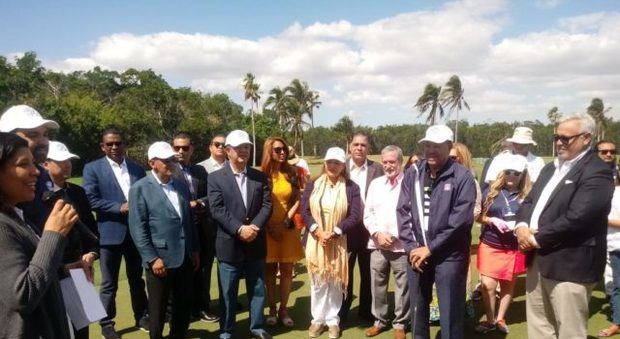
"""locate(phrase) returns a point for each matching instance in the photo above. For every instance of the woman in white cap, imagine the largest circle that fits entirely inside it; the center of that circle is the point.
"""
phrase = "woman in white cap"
(331, 207)
(499, 260)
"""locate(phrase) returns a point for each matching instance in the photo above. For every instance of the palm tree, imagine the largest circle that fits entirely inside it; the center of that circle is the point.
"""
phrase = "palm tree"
(302, 101)
(554, 116)
(597, 110)
(252, 92)
(277, 102)
(452, 96)
(429, 101)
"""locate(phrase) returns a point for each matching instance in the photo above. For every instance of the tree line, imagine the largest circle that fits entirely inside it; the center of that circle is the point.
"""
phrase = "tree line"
(146, 108)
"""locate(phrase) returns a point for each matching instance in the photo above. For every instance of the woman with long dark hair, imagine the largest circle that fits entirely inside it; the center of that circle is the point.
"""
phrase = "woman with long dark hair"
(30, 296)
(283, 239)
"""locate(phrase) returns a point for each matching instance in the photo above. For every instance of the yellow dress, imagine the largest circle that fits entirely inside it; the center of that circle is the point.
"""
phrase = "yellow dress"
(288, 248)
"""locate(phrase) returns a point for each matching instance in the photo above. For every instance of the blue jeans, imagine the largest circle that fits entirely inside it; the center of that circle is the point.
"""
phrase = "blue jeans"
(230, 273)
(614, 258)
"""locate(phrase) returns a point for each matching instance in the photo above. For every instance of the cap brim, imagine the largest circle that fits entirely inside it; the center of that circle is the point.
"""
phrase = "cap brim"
(163, 156)
(434, 141)
(522, 141)
(239, 143)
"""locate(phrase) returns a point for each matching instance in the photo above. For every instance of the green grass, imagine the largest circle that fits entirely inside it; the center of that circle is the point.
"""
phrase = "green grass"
(299, 306)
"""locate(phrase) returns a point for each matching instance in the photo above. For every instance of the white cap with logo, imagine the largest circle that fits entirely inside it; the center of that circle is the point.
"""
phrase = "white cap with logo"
(23, 117)
(160, 150)
(237, 137)
(438, 134)
(59, 152)
(335, 153)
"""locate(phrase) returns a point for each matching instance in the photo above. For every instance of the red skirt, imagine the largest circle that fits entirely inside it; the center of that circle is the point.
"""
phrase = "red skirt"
(499, 263)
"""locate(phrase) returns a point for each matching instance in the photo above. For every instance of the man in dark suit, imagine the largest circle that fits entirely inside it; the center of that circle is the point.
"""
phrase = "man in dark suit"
(161, 225)
(195, 177)
(106, 182)
(562, 225)
(240, 203)
(435, 213)
(362, 171)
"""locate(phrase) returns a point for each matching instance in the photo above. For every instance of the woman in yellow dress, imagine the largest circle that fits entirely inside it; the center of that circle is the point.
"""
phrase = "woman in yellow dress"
(283, 239)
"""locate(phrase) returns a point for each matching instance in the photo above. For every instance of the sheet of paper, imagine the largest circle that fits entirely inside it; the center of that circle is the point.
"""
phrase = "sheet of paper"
(81, 299)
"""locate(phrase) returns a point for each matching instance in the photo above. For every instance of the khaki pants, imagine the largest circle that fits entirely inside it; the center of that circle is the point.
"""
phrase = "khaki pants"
(556, 309)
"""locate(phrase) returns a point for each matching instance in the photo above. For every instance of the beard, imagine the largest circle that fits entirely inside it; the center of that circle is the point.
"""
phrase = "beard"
(40, 154)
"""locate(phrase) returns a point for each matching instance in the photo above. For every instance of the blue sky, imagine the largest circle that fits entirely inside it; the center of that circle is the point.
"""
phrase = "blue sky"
(359, 49)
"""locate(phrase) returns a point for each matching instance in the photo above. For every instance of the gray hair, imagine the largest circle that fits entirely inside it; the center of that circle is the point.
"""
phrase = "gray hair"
(587, 123)
(393, 148)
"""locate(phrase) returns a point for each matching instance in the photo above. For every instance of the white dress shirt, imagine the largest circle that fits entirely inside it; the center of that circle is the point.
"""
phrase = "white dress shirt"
(121, 173)
(359, 176)
(380, 210)
(170, 193)
(211, 165)
(242, 182)
(613, 233)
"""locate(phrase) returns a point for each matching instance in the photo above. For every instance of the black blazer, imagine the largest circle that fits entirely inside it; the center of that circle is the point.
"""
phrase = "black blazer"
(572, 228)
(79, 243)
(357, 239)
(229, 213)
(201, 216)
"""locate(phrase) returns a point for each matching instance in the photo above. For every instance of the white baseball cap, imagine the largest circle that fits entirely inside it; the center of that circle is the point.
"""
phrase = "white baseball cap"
(160, 150)
(237, 137)
(438, 134)
(59, 152)
(335, 153)
(23, 117)
(509, 161)
(522, 135)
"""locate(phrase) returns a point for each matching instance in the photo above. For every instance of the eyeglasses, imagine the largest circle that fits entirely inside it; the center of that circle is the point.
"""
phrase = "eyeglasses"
(512, 172)
(114, 143)
(279, 150)
(218, 144)
(178, 148)
(607, 151)
(565, 140)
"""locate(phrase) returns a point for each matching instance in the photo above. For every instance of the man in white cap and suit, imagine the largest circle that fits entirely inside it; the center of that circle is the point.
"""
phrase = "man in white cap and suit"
(240, 203)
(435, 213)
(26, 122)
(522, 140)
(161, 226)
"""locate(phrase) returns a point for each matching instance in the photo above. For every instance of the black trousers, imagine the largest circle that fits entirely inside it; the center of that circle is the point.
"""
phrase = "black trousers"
(202, 277)
(178, 283)
(362, 256)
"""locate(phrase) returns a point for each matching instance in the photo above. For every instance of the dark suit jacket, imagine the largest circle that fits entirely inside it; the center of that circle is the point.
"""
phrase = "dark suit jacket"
(357, 239)
(105, 197)
(201, 216)
(572, 228)
(156, 228)
(79, 243)
(354, 209)
(230, 214)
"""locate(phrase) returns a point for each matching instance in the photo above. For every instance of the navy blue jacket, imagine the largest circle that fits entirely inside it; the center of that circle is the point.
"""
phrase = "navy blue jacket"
(451, 212)
(229, 213)
(36, 211)
(106, 197)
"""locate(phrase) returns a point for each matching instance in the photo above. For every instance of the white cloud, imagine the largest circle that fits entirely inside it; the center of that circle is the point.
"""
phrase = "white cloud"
(383, 66)
(549, 3)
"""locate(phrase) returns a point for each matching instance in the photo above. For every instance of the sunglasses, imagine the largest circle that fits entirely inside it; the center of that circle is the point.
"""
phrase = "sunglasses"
(512, 172)
(169, 160)
(279, 150)
(454, 157)
(607, 151)
(114, 143)
(178, 148)
(218, 144)
(565, 140)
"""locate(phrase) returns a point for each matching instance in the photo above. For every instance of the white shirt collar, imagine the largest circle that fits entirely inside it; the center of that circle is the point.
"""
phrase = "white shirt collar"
(114, 163)
(353, 166)
(399, 178)
(245, 169)
(569, 163)
(159, 181)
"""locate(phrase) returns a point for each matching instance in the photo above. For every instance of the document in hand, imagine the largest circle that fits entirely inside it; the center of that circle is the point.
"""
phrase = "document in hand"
(81, 299)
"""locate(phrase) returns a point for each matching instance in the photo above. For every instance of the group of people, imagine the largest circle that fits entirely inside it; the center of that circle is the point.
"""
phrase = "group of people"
(411, 221)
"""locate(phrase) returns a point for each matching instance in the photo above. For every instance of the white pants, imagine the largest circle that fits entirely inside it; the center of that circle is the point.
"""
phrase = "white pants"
(325, 301)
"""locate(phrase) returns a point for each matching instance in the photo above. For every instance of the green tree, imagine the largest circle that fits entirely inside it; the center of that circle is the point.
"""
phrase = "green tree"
(252, 92)
(598, 110)
(430, 101)
(277, 102)
(453, 97)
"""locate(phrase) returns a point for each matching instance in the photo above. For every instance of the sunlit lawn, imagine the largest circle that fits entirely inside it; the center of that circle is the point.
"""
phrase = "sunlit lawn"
(299, 306)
